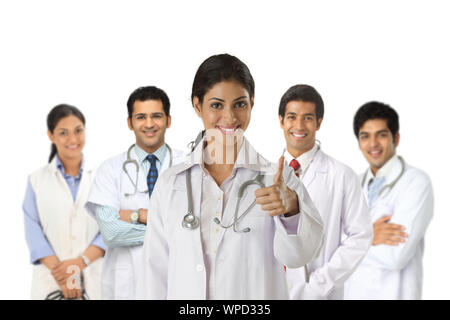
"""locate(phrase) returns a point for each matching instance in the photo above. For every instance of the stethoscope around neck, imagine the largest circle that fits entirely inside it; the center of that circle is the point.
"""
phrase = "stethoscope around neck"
(191, 221)
(133, 161)
(391, 185)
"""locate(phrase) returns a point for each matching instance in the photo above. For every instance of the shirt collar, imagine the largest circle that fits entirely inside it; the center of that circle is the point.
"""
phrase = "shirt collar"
(247, 158)
(304, 159)
(385, 169)
(160, 153)
(60, 167)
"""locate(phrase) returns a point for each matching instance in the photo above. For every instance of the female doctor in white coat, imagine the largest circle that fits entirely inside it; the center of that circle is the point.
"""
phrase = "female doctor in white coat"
(184, 259)
(61, 237)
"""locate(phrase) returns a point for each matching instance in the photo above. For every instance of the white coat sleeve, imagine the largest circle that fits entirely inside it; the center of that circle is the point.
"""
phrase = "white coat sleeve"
(413, 210)
(153, 282)
(357, 226)
(104, 189)
(296, 250)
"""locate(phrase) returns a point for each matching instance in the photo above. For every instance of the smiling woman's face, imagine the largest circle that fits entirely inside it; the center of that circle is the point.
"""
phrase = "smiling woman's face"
(226, 107)
(69, 137)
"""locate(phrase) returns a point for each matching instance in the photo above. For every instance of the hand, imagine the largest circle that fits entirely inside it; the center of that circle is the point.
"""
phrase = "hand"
(388, 233)
(278, 198)
(125, 215)
(143, 216)
(63, 270)
(70, 293)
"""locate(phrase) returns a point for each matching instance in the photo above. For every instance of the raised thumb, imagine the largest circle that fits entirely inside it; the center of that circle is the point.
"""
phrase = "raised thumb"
(279, 174)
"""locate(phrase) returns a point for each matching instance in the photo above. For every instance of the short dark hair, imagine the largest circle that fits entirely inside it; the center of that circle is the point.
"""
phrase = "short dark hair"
(305, 93)
(219, 68)
(148, 93)
(376, 110)
(57, 113)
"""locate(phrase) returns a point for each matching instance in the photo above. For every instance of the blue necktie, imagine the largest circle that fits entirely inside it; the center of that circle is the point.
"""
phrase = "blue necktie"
(375, 186)
(152, 173)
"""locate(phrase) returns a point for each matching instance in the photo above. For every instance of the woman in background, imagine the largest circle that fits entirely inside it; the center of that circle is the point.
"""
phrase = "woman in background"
(64, 241)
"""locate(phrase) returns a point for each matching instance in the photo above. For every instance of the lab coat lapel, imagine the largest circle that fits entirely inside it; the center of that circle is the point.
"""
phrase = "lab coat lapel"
(317, 166)
(390, 177)
(61, 181)
(196, 187)
(167, 158)
(245, 202)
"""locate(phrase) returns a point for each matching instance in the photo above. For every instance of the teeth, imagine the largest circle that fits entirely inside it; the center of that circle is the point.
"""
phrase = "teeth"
(299, 135)
(228, 130)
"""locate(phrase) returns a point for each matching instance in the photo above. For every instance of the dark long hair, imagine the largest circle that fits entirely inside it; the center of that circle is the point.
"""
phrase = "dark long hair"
(56, 114)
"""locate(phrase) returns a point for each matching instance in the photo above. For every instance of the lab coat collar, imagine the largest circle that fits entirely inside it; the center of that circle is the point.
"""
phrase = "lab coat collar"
(390, 171)
(247, 158)
(319, 163)
(385, 170)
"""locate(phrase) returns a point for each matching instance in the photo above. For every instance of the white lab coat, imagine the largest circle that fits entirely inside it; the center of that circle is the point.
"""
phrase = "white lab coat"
(247, 265)
(336, 192)
(122, 265)
(66, 225)
(395, 272)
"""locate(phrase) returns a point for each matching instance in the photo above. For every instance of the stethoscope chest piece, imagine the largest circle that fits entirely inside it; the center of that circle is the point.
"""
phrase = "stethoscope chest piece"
(190, 221)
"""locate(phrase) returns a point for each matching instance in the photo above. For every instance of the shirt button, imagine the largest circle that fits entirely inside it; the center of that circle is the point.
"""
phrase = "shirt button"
(199, 268)
(216, 230)
(219, 198)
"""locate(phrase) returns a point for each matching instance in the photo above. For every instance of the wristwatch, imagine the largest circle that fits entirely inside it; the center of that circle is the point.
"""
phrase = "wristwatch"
(134, 217)
(85, 260)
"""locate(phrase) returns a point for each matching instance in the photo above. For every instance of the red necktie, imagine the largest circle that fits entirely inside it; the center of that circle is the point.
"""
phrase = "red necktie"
(296, 165)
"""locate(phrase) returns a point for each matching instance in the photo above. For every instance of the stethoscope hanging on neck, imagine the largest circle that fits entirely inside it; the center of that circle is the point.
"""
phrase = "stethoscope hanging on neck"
(190, 220)
(391, 185)
(136, 164)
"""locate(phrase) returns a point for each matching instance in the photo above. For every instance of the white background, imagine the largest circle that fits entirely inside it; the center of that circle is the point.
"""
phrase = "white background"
(92, 54)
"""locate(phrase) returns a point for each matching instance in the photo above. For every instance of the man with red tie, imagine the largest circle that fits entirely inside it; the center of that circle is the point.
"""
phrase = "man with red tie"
(336, 192)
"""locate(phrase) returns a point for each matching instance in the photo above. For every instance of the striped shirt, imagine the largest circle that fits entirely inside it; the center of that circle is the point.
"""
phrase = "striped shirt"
(119, 233)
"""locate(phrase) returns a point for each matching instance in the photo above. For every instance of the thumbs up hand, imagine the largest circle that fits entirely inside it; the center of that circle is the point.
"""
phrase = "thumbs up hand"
(278, 198)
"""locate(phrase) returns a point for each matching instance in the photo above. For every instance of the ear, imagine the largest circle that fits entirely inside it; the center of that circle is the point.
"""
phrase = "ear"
(130, 123)
(197, 106)
(252, 102)
(169, 121)
(396, 139)
(50, 136)
(281, 121)
(319, 123)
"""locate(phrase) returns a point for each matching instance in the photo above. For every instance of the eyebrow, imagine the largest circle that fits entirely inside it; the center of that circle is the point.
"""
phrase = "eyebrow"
(380, 131)
(240, 98)
(214, 98)
(151, 114)
(65, 129)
